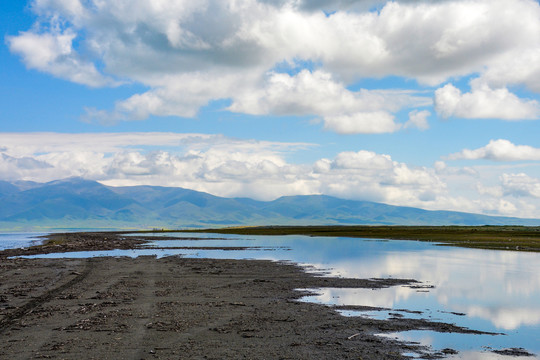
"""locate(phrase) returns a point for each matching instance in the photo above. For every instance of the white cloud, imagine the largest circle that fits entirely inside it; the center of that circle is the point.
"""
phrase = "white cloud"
(499, 207)
(489, 189)
(316, 93)
(13, 167)
(179, 95)
(362, 123)
(439, 166)
(494, 191)
(188, 53)
(484, 103)
(434, 41)
(515, 68)
(26, 144)
(362, 160)
(53, 53)
(71, 8)
(418, 119)
(369, 176)
(520, 185)
(499, 150)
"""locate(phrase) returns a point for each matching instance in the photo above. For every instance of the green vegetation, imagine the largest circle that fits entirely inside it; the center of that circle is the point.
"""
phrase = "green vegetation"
(520, 238)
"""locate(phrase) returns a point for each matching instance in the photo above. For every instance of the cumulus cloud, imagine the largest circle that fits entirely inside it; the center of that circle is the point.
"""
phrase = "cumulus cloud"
(418, 119)
(12, 167)
(484, 103)
(366, 160)
(494, 191)
(317, 93)
(429, 41)
(520, 185)
(362, 123)
(53, 53)
(490, 188)
(499, 150)
(515, 68)
(189, 53)
(371, 176)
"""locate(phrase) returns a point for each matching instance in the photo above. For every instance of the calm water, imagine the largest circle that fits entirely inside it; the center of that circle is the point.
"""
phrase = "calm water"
(18, 240)
(492, 291)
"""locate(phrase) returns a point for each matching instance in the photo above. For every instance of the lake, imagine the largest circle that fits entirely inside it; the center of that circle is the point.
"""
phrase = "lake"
(19, 239)
(491, 291)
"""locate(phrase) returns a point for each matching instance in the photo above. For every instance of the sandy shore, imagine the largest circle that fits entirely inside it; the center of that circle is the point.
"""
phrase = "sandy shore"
(177, 308)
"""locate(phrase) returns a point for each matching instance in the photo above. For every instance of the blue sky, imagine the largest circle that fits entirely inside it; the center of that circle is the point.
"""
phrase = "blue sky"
(429, 104)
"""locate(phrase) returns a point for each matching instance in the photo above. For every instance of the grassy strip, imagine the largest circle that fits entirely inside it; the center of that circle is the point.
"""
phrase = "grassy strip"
(514, 238)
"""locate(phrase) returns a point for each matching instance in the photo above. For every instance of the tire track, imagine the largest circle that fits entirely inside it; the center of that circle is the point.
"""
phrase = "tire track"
(27, 308)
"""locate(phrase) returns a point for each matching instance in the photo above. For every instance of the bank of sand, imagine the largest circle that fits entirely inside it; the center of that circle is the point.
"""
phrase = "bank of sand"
(178, 308)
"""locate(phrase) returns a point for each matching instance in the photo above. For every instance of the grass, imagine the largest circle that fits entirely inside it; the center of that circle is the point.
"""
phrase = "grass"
(515, 238)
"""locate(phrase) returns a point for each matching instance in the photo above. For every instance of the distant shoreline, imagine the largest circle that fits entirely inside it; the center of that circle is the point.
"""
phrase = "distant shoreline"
(511, 238)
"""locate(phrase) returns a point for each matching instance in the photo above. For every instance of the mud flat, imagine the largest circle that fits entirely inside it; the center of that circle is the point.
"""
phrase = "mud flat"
(179, 308)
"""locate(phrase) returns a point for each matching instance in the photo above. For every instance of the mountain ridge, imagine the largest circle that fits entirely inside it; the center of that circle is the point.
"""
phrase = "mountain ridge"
(80, 203)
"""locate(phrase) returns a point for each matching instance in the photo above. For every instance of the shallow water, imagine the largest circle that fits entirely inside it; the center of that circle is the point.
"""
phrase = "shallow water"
(493, 291)
(19, 240)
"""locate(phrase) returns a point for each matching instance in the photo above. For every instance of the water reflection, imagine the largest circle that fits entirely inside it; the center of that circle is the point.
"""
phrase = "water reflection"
(501, 287)
(492, 291)
(18, 240)
(468, 344)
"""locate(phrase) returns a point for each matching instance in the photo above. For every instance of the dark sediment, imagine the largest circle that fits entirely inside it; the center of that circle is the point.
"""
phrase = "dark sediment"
(513, 352)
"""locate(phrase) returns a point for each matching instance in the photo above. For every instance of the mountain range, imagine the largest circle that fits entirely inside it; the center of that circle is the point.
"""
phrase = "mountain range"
(76, 203)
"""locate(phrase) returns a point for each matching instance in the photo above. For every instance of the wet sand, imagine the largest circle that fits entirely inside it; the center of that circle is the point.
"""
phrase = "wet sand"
(178, 308)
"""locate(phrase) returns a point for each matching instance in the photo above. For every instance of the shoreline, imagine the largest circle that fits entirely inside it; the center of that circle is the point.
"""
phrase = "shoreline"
(176, 307)
(507, 238)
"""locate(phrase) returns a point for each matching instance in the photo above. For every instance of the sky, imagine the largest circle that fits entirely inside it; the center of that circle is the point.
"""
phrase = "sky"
(431, 104)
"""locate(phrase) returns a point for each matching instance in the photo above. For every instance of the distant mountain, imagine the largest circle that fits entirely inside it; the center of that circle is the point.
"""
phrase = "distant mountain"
(26, 185)
(73, 198)
(7, 188)
(79, 203)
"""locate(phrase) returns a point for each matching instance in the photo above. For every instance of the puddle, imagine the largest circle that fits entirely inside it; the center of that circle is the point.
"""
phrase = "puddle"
(467, 345)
